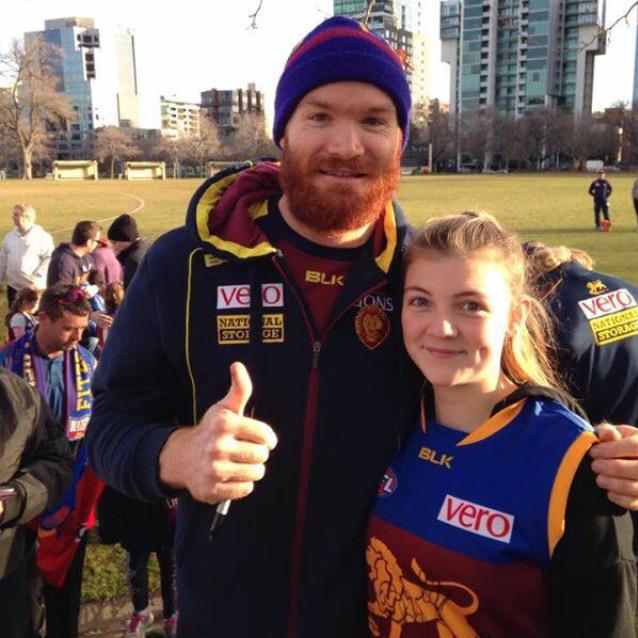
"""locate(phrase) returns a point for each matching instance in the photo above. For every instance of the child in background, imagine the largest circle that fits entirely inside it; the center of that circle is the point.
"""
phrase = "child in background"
(113, 298)
(94, 290)
(21, 316)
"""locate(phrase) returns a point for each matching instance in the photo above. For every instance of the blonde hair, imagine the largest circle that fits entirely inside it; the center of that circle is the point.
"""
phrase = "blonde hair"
(25, 209)
(542, 259)
(528, 352)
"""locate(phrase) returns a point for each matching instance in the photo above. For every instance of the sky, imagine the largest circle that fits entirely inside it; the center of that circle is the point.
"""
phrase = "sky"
(210, 44)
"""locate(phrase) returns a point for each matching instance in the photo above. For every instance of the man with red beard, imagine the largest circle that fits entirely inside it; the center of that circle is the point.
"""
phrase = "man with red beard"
(270, 323)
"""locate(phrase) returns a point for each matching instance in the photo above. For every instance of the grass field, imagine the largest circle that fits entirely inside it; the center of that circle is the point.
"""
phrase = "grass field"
(551, 208)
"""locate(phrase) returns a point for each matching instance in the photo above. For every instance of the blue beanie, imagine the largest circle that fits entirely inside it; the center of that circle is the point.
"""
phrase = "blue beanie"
(341, 50)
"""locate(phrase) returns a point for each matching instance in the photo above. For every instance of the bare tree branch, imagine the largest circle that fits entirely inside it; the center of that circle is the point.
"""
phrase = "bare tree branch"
(604, 32)
(31, 107)
(253, 16)
(371, 4)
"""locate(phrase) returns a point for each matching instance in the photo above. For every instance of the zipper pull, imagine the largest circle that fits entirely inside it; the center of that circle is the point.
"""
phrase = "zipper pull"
(316, 349)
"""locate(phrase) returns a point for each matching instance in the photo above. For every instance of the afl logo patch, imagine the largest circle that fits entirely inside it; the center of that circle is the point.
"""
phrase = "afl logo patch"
(372, 326)
(388, 483)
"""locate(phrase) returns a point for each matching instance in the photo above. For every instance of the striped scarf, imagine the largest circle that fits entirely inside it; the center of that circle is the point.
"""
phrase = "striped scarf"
(23, 359)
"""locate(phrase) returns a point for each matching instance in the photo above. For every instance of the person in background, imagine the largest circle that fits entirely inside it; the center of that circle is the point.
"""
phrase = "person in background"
(128, 246)
(25, 253)
(21, 316)
(600, 189)
(113, 298)
(71, 262)
(94, 290)
(596, 321)
(52, 360)
(142, 529)
(485, 516)
(106, 261)
(36, 466)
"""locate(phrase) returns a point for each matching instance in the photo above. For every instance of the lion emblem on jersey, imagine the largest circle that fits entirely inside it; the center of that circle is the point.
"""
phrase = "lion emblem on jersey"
(372, 326)
(596, 287)
(403, 602)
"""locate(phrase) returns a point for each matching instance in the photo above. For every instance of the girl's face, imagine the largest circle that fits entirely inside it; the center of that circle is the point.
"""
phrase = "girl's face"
(457, 312)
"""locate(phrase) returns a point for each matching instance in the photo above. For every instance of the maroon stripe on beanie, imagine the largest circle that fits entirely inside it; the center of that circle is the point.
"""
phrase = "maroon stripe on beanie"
(343, 32)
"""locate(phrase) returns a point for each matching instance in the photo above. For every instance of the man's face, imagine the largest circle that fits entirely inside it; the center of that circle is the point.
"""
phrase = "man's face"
(63, 333)
(22, 220)
(94, 242)
(341, 151)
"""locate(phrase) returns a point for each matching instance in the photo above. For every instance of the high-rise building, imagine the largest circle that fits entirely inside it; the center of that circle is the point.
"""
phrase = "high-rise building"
(179, 118)
(519, 54)
(128, 113)
(400, 24)
(227, 107)
(100, 84)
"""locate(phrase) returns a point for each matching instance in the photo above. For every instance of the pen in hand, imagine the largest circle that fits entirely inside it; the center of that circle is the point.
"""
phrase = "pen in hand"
(240, 391)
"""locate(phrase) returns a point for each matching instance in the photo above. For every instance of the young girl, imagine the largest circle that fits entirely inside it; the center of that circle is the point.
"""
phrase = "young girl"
(488, 522)
(21, 316)
(113, 298)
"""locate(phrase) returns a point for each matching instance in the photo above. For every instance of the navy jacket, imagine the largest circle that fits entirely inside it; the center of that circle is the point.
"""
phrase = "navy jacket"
(596, 317)
(600, 190)
(289, 560)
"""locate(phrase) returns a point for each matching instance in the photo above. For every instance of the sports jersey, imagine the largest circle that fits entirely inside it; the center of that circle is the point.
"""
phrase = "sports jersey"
(319, 271)
(596, 319)
(465, 525)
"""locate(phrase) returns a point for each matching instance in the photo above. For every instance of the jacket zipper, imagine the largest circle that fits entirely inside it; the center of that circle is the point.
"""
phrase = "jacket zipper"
(309, 424)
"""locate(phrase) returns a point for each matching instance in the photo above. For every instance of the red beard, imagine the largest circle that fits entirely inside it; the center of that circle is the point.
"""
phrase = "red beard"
(340, 208)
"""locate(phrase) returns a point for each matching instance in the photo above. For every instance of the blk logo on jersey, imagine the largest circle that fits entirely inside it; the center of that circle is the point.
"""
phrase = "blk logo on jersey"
(436, 458)
(318, 277)
(388, 484)
(238, 296)
(476, 519)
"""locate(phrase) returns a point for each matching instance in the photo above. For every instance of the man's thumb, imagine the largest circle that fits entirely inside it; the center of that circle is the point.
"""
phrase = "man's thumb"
(241, 388)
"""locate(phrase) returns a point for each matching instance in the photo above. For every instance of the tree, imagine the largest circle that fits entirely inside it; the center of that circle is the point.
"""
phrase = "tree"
(440, 134)
(173, 150)
(250, 139)
(199, 149)
(478, 130)
(31, 106)
(113, 144)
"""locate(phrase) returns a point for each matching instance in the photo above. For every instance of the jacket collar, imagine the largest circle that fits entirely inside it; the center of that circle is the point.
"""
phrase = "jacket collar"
(222, 215)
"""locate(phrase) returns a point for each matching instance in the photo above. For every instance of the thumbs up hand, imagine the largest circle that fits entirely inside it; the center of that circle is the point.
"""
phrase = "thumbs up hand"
(222, 457)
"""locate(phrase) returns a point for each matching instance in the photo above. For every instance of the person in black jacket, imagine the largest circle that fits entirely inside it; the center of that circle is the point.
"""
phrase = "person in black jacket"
(600, 189)
(35, 468)
(127, 244)
(596, 319)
